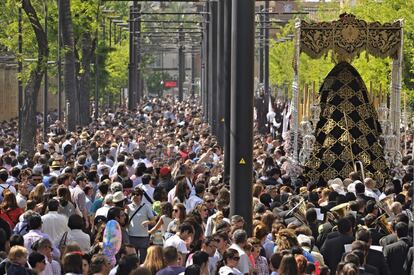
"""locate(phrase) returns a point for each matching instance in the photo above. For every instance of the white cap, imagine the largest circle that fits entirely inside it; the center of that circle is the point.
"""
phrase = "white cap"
(304, 240)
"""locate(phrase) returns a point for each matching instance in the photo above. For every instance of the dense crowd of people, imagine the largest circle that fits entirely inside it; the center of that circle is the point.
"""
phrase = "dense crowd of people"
(158, 173)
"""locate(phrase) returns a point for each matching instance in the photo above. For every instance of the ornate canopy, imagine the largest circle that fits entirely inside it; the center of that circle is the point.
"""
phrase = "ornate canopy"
(349, 36)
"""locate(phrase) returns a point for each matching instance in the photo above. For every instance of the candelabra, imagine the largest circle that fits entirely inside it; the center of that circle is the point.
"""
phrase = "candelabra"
(315, 113)
(308, 139)
(308, 128)
(391, 153)
(383, 115)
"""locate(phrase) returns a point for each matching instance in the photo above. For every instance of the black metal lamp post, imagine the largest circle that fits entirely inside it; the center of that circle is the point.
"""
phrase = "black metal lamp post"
(212, 67)
(59, 63)
(220, 73)
(46, 84)
(132, 56)
(19, 70)
(266, 50)
(227, 83)
(241, 134)
(181, 64)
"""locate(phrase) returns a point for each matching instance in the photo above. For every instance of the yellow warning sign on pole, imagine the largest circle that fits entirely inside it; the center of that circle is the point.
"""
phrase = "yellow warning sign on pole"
(242, 161)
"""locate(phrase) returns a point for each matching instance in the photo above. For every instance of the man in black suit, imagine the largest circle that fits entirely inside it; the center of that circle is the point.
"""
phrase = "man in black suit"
(374, 257)
(392, 238)
(409, 266)
(360, 192)
(333, 248)
(396, 253)
(331, 202)
(273, 177)
(370, 223)
(357, 258)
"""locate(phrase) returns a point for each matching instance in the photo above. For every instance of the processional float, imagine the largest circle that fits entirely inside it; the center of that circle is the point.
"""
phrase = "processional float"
(344, 131)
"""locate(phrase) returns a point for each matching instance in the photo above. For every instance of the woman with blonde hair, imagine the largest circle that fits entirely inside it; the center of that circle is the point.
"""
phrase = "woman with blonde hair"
(201, 212)
(18, 259)
(154, 260)
(9, 211)
(37, 193)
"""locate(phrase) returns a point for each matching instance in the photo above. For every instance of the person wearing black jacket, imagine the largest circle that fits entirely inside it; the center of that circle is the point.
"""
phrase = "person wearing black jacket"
(331, 202)
(357, 257)
(333, 248)
(374, 257)
(409, 263)
(396, 253)
(273, 177)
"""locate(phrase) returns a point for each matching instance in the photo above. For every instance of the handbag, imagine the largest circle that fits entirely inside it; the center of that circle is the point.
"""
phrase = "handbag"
(62, 242)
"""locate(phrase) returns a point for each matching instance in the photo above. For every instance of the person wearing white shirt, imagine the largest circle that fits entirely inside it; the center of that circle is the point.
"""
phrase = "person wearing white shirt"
(76, 234)
(369, 189)
(172, 192)
(185, 232)
(240, 240)
(148, 186)
(188, 173)
(231, 260)
(197, 199)
(102, 166)
(208, 246)
(126, 145)
(103, 211)
(67, 141)
(53, 223)
(44, 247)
(140, 215)
(22, 194)
(4, 175)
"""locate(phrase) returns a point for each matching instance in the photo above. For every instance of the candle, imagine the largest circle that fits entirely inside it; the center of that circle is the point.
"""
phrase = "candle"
(313, 91)
(371, 93)
(381, 95)
(306, 102)
(300, 106)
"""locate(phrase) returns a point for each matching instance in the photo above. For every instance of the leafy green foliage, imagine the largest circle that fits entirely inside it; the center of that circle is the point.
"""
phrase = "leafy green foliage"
(155, 81)
(116, 66)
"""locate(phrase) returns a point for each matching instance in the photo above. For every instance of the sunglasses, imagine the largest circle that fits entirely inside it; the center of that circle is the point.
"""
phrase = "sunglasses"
(236, 258)
(210, 201)
(175, 210)
(205, 210)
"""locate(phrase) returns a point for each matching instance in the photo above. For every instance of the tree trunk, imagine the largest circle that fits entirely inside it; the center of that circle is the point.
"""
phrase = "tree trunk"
(69, 69)
(31, 91)
(87, 48)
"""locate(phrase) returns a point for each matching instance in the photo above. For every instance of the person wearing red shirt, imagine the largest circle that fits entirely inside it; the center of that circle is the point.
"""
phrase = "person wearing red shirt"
(9, 211)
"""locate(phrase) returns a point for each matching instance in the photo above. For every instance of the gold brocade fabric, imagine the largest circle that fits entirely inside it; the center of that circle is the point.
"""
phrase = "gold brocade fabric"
(347, 131)
(349, 36)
